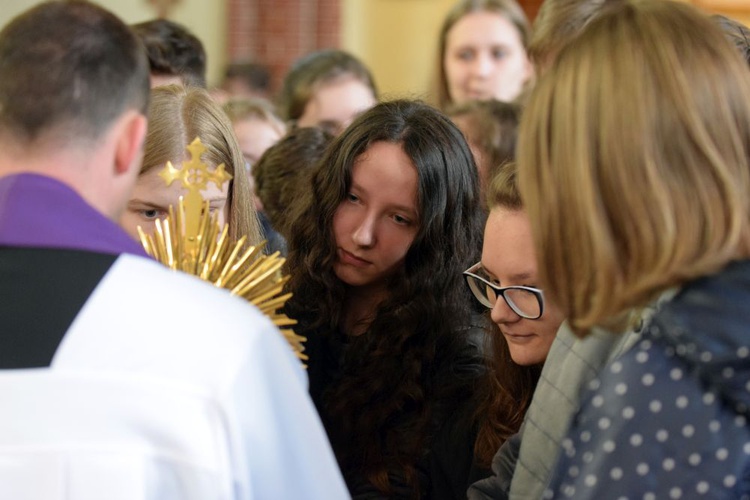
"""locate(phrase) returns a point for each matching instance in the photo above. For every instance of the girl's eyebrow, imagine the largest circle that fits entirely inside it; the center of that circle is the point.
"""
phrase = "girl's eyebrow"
(520, 277)
(215, 198)
(135, 201)
(513, 278)
(413, 211)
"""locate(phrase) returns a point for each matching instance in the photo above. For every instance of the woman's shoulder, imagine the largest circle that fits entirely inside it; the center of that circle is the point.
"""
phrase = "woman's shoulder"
(643, 423)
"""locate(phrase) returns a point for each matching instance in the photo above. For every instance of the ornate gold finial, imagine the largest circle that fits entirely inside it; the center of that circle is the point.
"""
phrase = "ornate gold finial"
(194, 176)
(191, 240)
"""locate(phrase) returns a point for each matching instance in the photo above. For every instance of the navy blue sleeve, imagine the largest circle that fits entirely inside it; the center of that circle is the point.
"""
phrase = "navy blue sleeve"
(649, 429)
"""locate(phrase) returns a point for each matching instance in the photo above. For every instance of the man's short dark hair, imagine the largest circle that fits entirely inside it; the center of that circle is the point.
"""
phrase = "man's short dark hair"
(173, 51)
(72, 66)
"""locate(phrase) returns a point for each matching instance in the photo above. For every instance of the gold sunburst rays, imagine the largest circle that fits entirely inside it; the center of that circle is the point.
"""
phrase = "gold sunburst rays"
(191, 240)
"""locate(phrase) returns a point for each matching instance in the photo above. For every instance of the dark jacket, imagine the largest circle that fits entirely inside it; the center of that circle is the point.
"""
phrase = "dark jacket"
(274, 241)
(448, 465)
(668, 419)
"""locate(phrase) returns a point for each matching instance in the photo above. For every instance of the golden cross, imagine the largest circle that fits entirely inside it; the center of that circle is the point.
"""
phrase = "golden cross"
(194, 176)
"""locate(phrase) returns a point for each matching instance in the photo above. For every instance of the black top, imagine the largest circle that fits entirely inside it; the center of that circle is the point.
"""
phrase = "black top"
(448, 466)
(41, 293)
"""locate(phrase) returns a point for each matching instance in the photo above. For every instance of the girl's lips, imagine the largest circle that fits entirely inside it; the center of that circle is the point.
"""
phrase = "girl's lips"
(519, 338)
(476, 94)
(351, 259)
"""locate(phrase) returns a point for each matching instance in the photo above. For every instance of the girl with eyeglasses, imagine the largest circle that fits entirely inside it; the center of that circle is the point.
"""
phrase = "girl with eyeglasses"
(505, 280)
(526, 321)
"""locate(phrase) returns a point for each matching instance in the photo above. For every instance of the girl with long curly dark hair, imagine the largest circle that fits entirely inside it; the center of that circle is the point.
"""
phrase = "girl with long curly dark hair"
(376, 252)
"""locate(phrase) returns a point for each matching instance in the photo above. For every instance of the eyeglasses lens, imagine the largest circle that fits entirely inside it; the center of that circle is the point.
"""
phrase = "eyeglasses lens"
(525, 302)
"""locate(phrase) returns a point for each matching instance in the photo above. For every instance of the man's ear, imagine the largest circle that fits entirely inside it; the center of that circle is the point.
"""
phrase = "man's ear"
(129, 142)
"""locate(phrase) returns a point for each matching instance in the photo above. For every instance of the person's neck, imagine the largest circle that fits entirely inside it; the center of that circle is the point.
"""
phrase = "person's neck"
(360, 308)
(66, 163)
(42, 157)
(12, 163)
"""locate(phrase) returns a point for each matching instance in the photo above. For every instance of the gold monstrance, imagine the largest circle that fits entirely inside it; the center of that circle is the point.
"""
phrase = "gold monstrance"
(192, 241)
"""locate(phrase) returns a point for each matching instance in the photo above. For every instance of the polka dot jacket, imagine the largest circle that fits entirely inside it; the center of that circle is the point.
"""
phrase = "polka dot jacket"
(668, 419)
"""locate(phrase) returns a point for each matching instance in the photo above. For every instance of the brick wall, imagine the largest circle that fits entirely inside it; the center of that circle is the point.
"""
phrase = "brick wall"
(531, 7)
(277, 32)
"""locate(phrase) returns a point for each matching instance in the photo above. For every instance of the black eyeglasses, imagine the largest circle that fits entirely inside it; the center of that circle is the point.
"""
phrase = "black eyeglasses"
(526, 301)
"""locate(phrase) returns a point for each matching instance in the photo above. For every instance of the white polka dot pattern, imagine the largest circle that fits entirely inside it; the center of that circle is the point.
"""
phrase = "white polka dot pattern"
(646, 429)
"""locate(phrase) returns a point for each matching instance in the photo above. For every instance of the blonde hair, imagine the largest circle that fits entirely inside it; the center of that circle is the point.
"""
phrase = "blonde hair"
(633, 160)
(509, 9)
(177, 115)
(239, 109)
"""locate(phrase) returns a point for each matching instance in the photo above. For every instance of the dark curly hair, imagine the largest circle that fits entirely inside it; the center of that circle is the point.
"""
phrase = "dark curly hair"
(383, 409)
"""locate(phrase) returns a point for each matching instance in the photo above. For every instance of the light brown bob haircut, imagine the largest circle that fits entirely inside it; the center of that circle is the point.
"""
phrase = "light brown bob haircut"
(509, 9)
(176, 116)
(557, 23)
(736, 32)
(633, 160)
